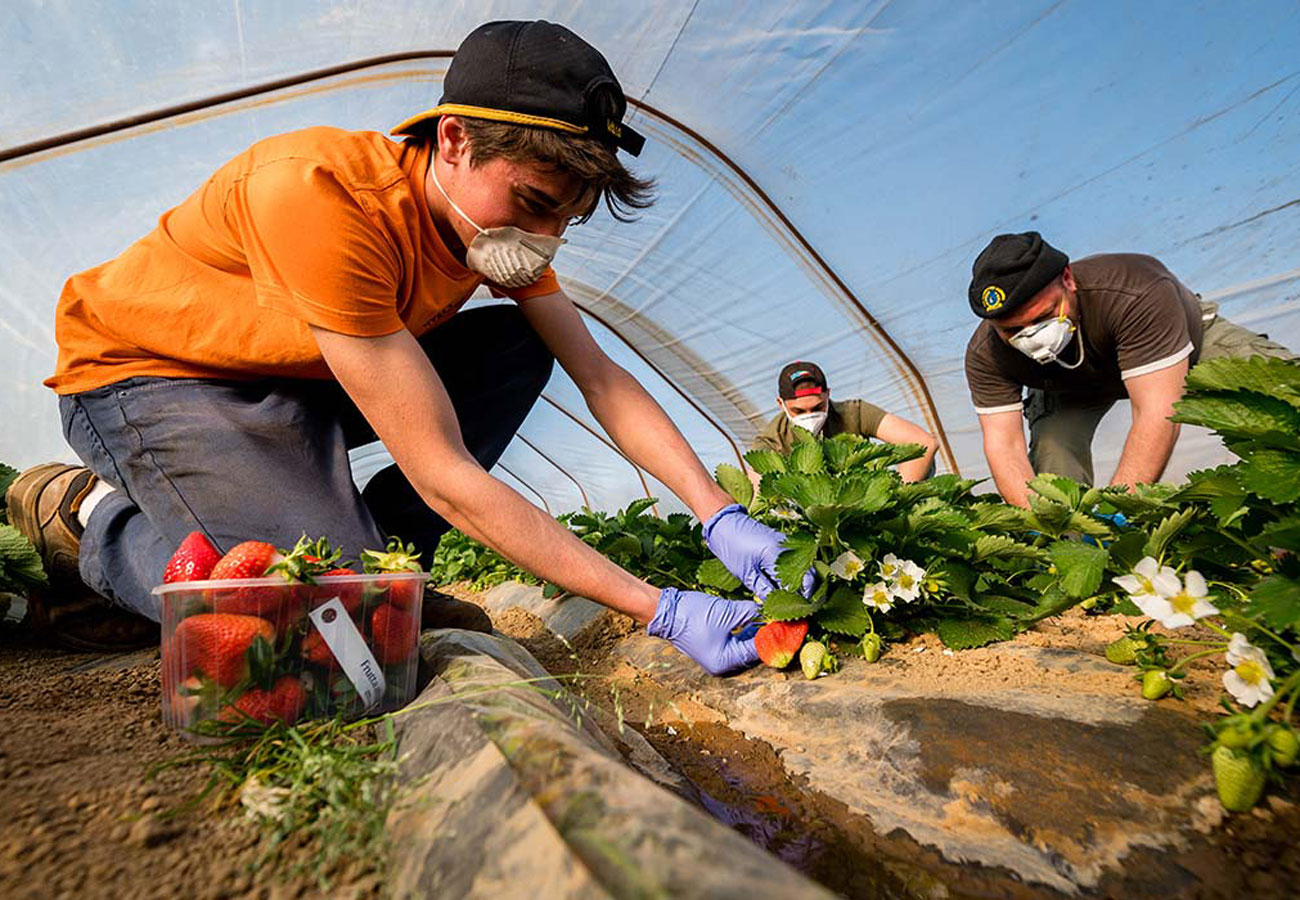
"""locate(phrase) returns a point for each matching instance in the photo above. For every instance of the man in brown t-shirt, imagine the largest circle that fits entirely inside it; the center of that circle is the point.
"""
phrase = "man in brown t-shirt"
(1076, 338)
(805, 401)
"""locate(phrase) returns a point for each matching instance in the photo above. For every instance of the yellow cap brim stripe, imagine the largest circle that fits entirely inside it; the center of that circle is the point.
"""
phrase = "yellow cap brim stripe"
(484, 112)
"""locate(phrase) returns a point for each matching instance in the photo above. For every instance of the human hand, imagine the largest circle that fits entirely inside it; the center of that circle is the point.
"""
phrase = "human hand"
(701, 626)
(748, 549)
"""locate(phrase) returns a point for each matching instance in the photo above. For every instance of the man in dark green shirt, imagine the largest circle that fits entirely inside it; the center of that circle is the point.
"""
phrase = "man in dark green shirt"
(805, 401)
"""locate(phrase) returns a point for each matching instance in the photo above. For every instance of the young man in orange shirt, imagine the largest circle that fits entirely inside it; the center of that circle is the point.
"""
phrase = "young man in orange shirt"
(304, 301)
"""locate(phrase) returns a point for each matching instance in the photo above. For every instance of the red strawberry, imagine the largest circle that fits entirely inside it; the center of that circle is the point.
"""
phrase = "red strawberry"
(315, 650)
(778, 642)
(217, 644)
(394, 633)
(192, 561)
(250, 559)
(350, 594)
(254, 559)
(284, 702)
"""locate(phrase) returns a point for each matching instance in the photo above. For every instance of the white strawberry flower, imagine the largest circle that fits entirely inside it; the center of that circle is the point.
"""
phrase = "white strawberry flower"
(788, 515)
(907, 583)
(1250, 678)
(1149, 579)
(848, 565)
(879, 597)
(1189, 604)
(889, 567)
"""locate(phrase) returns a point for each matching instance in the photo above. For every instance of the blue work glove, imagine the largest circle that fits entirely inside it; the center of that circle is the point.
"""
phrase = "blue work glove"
(748, 549)
(700, 626)
(1117, 519)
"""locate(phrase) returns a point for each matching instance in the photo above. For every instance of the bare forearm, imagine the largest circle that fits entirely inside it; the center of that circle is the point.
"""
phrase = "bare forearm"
(644, 432)
(916, 469)
(1147, 450)
(1010, 476)
(494, 514)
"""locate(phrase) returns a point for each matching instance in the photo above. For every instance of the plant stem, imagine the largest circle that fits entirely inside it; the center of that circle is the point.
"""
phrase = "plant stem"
(1178, 666)
(1261, 711)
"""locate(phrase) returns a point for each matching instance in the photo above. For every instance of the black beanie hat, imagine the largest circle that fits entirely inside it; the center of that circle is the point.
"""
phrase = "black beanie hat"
(1010, 270)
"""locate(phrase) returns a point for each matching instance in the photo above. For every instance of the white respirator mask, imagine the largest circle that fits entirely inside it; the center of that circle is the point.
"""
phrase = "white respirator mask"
(812, 421)
(1043, 341)
(508, 256)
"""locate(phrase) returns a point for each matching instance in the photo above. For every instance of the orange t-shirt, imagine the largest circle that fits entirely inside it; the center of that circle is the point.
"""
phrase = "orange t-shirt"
(316, 227)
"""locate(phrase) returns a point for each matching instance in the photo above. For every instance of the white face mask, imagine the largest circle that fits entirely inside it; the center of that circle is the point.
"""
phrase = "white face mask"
(1043, 341)
(508, 256)
(813, 421)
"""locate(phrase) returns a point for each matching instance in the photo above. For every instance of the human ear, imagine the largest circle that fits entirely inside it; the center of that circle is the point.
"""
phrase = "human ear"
(453, 140)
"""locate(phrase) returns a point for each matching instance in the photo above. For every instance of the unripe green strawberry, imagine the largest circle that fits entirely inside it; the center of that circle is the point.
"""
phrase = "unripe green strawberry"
(1285, 745)
(1122, 652)
(812, 659)
(1236, 737)
(1155, 684)
(872, 646)
(1238, 778)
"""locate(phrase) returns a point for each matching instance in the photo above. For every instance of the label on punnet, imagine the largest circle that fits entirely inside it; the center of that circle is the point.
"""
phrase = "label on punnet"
(349, 648)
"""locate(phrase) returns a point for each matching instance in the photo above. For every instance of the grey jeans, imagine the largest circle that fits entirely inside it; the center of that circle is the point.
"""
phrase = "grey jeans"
(268, 459)
(1062, 425)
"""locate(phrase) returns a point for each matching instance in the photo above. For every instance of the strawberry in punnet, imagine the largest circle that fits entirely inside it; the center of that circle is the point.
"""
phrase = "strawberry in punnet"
(778, 642)
(284, 702)
(394, 633)
(315, 650)
(396, 558)
(1238, 777)
(217, 645)
(351, 594)
(192, 561)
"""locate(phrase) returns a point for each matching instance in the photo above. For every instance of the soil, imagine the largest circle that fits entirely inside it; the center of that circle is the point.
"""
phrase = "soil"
(81, 812)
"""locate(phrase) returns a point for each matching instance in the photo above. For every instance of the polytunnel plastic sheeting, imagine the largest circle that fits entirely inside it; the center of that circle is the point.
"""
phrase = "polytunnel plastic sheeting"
(809, 156)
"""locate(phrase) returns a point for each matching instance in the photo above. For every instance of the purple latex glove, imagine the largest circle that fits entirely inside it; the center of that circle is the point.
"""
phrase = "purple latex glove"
(748, 549)
(700, 626)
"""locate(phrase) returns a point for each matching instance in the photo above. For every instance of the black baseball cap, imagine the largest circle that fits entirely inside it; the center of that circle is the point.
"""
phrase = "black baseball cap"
(537, 74)
(1010, 270)
(800, 379)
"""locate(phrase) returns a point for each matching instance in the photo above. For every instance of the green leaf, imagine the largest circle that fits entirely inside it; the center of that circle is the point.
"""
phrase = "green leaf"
(966, 634)
(1277, 599)
(1273, 475)
(807, 458)
(1284, 534)
(1271, 377)
(807, 490)
(1056, 488)
(785, 606)
(1005, 605)
(550, 590)
(636, 508)
(1167, 530)
(765, 462)
(997, 546)
(795, 560)
(736, 483)
(844, 613)
(1079, 567)
(713, 574)
(1048, 515)
(1001, 516)
(622, 544)
(20, 564)
(839, 449)
(802, 435)
(1243, 415)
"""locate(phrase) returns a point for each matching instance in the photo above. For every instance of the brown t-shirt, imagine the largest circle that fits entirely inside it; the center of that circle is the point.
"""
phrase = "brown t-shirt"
(1135, 318)
(851, 416)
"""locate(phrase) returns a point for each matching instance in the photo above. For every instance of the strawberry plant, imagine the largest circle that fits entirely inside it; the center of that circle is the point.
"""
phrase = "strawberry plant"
(20, 565)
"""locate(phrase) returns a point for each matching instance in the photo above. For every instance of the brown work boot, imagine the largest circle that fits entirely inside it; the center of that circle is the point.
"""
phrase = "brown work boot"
(43, 503)
(445, 611)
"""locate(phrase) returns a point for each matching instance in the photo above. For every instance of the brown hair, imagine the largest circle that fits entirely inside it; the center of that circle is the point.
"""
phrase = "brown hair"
(592, 162)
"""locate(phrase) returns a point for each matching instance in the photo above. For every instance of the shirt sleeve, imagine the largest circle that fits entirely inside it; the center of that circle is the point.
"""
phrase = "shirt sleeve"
(1151, 331)
(991, 390)
(865, 416)
(767, 439)
(313, 251)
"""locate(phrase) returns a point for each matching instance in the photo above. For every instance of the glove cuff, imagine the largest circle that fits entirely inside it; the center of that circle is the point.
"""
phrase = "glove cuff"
(718, 516)
(661, 626)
